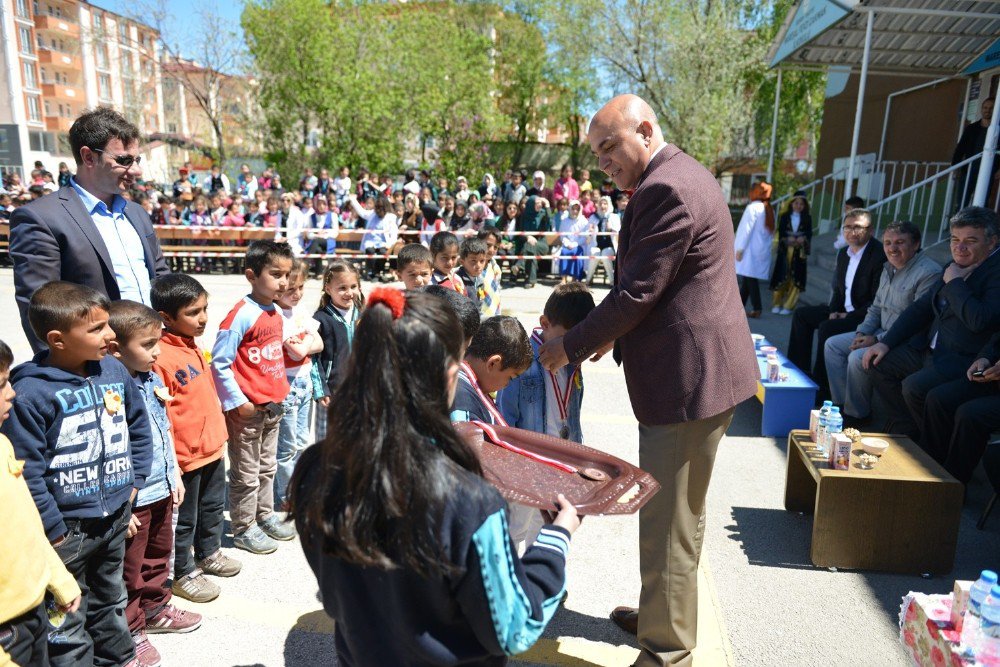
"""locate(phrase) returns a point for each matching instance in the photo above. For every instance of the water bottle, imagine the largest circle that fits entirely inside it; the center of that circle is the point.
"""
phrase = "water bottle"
(834, 425)
(824, 413)
(977, 595)
(987, 648)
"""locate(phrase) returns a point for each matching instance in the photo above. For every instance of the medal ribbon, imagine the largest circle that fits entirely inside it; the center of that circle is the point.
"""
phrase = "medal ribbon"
(562, 395)
(487, 401)
(493, 437)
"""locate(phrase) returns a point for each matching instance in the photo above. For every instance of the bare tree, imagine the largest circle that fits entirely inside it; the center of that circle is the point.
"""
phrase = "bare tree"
(205, 57)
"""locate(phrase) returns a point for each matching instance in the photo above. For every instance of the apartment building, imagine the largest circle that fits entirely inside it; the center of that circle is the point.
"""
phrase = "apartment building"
(60, 57)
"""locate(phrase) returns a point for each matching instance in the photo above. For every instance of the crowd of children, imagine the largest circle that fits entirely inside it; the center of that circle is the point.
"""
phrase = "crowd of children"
(118, 432)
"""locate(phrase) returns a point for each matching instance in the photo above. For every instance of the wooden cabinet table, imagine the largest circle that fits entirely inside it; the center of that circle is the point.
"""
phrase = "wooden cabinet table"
(901, 516)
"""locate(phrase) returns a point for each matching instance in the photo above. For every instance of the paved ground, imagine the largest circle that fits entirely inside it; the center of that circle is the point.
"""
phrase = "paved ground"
(762, 602)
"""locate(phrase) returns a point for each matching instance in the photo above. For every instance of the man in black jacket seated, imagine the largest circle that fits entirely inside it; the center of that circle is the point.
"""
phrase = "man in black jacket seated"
(859, 269)
(938, 338)
(960, 415)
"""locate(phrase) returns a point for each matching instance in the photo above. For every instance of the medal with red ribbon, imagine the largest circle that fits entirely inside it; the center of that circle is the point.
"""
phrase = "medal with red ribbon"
(562, 393)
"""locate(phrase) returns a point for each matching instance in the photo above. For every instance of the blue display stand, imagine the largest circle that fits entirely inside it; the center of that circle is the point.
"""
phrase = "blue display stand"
(786, 404)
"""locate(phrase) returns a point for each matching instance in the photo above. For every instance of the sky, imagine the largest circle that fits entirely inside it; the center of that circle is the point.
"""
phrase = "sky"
(230, 12)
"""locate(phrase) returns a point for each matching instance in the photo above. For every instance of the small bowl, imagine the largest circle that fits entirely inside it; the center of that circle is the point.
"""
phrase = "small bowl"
(757, 339)
(768, 349)
(875, 446)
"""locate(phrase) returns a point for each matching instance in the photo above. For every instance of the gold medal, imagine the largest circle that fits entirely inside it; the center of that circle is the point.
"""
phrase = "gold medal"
(162, 394)
(208, 356)
(112, 401)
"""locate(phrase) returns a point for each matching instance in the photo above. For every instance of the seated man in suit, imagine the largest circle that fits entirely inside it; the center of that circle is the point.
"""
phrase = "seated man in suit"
(87, 233)
(859, 267)
(936, 339)
(959, 416)
(906, 276)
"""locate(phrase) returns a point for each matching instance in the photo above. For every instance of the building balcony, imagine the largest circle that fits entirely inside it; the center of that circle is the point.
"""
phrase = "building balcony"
(60, 92)
(58, 123)
(57, 25)
(49, 56)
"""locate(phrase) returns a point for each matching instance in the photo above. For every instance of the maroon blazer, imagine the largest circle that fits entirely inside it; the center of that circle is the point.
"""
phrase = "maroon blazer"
(675, 309)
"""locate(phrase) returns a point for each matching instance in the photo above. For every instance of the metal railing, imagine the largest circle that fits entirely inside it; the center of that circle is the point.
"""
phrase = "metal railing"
(826, 195)
(929, 203)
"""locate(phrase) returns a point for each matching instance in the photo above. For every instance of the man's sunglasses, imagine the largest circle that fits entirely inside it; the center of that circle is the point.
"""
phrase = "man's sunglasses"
(123, 160)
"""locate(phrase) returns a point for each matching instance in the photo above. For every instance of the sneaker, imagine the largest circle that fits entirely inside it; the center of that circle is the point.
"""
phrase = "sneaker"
(277, 529)
(172, 619)
(776, 310)
(195, 587)
(255, 541)
(146, 654)
(220, 565)
(784, 311)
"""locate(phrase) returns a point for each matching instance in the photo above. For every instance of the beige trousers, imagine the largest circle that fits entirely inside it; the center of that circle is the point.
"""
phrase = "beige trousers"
(671, 527)
(253, 460)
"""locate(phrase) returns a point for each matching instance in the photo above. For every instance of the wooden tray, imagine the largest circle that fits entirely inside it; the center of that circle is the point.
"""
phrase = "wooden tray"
(623, 490)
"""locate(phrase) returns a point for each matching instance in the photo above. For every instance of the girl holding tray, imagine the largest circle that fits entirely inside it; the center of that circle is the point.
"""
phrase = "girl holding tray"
(394, 515)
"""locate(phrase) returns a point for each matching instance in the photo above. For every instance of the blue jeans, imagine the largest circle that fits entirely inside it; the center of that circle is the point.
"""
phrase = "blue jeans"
(293, 433)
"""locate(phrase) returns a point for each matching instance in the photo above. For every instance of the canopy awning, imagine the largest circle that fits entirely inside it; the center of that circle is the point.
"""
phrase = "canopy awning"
(931, 37)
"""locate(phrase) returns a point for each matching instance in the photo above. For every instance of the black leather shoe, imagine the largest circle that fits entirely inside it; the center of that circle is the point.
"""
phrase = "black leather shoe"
(626, 618)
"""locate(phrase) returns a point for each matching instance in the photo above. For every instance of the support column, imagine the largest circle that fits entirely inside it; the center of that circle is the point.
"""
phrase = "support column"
(986, 163)
(849, 184)
(774, 130)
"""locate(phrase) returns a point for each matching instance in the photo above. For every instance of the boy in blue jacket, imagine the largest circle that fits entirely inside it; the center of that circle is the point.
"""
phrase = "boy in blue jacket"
(80, 425)
(544, 402)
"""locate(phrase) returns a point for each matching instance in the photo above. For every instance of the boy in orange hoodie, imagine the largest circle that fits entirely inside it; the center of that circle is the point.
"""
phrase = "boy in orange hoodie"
(199, 437)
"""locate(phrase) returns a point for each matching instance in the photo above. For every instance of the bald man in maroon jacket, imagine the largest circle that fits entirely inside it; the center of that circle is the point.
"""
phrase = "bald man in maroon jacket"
(677, 325)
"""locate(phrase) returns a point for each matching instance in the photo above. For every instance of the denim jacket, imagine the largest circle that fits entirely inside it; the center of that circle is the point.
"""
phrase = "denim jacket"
(522, 402)
(161, 481)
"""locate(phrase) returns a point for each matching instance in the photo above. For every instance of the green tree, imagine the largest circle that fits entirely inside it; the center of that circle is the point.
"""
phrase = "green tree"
(368, 78)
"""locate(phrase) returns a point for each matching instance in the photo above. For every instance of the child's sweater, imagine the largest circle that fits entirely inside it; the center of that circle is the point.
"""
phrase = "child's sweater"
(493, 604)
(28, 564)
(248, 359)
(85, 441)
(199, 427)
(337, 331)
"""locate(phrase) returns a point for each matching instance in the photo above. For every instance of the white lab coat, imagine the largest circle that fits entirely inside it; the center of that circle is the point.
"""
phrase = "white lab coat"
(754, 239)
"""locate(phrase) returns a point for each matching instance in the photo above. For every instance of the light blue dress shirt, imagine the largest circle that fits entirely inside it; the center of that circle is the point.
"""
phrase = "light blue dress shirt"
(128, 260)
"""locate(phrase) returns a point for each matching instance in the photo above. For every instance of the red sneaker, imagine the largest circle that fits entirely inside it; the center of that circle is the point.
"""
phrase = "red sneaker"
(172, 619)
(146, 654)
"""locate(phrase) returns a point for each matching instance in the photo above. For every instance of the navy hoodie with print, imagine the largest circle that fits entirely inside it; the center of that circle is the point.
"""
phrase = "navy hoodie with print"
(81, 460)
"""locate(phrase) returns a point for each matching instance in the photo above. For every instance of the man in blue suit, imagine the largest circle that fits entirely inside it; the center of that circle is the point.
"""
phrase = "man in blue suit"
(87, 232)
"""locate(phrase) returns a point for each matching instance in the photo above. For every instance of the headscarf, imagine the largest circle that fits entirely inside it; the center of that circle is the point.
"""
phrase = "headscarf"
(530, 219)
(762, 192)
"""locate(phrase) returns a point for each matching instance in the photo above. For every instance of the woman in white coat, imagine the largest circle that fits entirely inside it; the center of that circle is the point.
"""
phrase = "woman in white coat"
(753, 245)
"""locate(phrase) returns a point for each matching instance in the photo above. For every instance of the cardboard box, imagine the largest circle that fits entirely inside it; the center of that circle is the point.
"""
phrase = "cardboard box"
(813, 424)
(840, 452)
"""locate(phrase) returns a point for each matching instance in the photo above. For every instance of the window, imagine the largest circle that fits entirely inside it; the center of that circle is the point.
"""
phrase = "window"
(34, 109)
(27, 44)
(122, 31)
(102, 56)
(30, 80)
(126, 65)
(22, 9)
(48, 108)
(96, 20)
(4, 141)
(42, 141)
(104, 86)
(172, 128)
